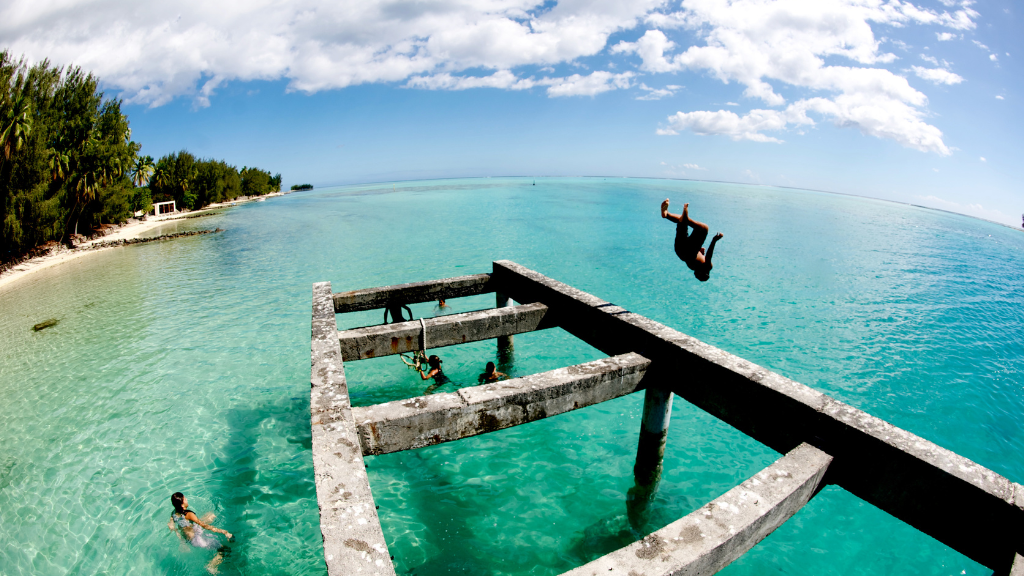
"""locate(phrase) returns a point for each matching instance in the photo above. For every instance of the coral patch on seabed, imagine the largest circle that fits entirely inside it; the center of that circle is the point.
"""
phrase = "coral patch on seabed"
(45, 324)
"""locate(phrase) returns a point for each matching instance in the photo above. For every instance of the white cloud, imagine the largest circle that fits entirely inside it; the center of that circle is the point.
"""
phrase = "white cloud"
(155, 51)
(770, 45)
(931, 59)
(897, 43)
(590, 85)
(502, 79)
(656, 93)
(944, 36)
(678, 170)
(993, 57)
(983, 159)
(575, 85)
(894, 120)
(998, 97)
(726, 123)
(937, 75)
(980, 45)
(731, 104)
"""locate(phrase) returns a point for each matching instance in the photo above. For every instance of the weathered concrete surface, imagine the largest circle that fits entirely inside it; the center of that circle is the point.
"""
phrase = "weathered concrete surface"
(353, 539)
(505, 343)
(897, 471)
(710, 538)
(370, 298)
(650, 454)
(1018, 566)
(429, 420)
(387, 339)
(650, 449)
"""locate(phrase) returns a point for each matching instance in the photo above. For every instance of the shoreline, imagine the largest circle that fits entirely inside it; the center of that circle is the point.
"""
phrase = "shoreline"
(132, 229)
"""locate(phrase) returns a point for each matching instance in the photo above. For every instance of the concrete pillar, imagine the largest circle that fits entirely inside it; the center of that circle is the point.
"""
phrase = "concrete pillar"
(506, 348)
(650, 452)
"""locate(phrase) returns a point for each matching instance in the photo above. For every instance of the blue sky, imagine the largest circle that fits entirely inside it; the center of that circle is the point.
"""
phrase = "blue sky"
(911, 101)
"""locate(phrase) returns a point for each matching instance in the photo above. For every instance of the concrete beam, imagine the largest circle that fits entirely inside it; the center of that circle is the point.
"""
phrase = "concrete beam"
(352, 535)
(899, 472)
(415, 292)
(1018, 566)
(429, 420)
(388, 339)
(712, 537)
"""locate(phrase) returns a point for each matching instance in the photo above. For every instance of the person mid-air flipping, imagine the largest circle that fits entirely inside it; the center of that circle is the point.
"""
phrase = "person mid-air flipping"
(690, 248)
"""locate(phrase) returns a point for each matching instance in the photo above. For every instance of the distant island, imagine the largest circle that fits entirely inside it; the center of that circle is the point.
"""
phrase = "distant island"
(302, 186)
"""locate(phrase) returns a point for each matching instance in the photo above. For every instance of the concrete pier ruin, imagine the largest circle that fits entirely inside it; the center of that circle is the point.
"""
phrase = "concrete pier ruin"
(823, 441)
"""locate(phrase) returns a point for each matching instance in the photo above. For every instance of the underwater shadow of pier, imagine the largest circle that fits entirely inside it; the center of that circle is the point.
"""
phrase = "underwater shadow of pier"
(263, 485)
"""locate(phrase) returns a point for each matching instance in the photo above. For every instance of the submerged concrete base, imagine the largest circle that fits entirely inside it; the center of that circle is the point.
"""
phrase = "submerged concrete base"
(709, 539)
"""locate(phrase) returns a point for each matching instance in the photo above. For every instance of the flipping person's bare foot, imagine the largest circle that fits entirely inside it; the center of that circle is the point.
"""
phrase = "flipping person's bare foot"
(664, 208)
(718, 236)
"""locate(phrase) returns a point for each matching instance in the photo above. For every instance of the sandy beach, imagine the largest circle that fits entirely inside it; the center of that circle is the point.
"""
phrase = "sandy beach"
(61, 254)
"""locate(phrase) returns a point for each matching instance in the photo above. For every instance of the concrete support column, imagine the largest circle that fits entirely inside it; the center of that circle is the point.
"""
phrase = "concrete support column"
(506, 348)
(650, 452)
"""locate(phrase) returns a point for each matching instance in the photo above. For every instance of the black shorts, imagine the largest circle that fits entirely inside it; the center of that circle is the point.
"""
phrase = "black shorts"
(687, 247)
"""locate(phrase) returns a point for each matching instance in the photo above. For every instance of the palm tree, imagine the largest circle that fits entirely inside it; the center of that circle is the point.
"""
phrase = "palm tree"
(14, 130)
(59, 164)
(142, 170)
(16, 126)
(92, 173)
(83, 187)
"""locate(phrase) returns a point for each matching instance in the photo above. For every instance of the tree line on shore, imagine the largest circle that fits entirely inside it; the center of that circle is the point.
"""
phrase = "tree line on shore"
(68, 163)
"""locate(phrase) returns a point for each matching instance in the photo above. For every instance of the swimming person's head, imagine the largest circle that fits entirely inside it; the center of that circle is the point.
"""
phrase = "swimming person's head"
(702, 275)
(179, 502)
(434, 361)
(490, 368)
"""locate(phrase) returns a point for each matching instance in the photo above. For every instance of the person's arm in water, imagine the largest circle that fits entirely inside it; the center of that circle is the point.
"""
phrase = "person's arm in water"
(428, 375)
(190, 515)
(711, 248)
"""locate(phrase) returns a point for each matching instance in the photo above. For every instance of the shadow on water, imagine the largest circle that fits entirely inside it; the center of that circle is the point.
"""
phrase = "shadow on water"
(602, 537)
(446, 530)
(262, 483)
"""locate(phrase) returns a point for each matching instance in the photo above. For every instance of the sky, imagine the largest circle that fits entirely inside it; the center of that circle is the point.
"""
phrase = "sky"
(916, 102)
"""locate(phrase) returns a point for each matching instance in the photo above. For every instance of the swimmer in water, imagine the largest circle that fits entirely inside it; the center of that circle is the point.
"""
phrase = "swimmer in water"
(436, 373)
(193, 530)
(491, 374)
(690, 249)
(442, 308)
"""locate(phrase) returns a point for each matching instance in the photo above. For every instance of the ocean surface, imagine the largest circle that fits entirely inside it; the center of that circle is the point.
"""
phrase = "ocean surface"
(184, 366)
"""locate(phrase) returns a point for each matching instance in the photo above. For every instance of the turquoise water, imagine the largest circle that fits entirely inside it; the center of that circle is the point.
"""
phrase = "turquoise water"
(184, 365)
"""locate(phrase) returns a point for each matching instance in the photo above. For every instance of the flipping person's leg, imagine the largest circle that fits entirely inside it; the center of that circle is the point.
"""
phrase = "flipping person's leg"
(668, 215)
(690, 221)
